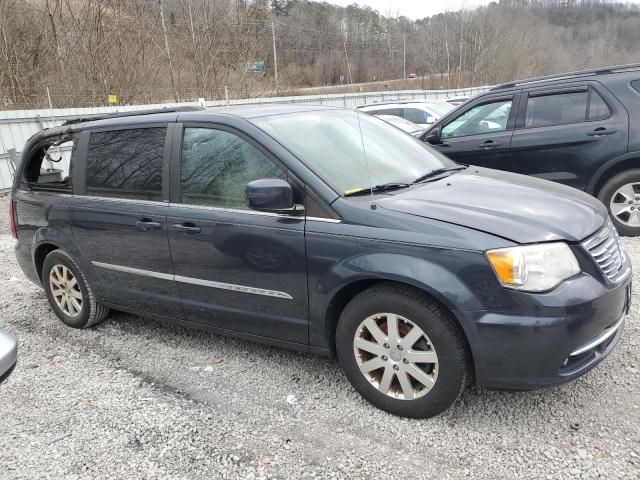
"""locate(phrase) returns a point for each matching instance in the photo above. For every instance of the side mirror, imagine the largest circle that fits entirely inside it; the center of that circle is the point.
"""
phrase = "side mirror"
(431, 120)
(271, 195)
(433, 136)
(8, 354)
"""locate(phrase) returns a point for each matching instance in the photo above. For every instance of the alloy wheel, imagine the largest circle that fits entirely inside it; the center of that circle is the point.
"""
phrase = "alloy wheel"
(625, 205)
(65, 290)
(396, 356)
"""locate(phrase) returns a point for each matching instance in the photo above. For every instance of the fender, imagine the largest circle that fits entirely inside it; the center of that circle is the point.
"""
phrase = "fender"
(602, 171)
(61, 240)
(431, 272)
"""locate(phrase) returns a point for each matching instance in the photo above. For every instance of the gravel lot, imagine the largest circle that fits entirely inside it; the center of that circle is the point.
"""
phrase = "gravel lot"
(136, 398)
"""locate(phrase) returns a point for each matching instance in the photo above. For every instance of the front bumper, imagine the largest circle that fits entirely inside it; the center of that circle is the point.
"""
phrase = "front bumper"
(566, 334)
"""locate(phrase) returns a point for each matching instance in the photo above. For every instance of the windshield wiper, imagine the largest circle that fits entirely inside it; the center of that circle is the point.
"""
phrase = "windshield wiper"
(385, 187)
(438, 171)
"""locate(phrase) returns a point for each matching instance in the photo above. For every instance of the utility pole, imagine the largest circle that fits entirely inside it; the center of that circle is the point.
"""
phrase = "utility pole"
(166, 46)
(404, 57)
(275, 54)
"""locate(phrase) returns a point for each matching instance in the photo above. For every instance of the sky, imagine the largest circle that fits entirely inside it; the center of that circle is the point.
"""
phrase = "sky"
(420, 8)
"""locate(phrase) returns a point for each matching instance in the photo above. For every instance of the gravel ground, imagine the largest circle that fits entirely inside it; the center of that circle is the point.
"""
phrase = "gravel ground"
(136, 398)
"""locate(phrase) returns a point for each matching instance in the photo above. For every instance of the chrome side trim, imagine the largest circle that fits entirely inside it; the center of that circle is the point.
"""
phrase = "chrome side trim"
(603, 337)
(232, 287)
(195, 281)
(135, 271)
(326, 220)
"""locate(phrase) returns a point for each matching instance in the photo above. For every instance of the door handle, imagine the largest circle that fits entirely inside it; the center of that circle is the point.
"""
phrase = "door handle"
(600, 131)
(186, 228)
(147, 224)
(489, 144)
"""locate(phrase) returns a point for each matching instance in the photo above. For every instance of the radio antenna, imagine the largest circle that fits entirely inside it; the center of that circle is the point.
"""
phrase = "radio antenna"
(366, 162)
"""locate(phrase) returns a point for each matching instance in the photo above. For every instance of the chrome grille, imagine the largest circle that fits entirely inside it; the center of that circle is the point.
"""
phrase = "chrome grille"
(606, 250)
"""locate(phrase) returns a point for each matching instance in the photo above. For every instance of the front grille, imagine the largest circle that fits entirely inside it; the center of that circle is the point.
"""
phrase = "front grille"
(606, 250)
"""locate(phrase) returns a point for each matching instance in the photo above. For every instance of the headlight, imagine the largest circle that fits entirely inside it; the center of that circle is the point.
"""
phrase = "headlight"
(534, 268)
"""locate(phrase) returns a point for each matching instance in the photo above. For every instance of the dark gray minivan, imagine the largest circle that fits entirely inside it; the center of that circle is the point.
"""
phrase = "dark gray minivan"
(328, 231)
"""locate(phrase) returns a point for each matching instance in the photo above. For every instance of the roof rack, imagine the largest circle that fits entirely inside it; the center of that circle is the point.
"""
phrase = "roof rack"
(569, 75)
(133, 113)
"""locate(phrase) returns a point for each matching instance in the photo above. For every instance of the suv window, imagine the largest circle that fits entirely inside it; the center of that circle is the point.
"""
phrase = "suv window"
(126, 163)
(49, 166)
(598, 108)
(217, 165)
(636, 85)
(416, 116)
(488, 117)
(396, 112)
(556, 109)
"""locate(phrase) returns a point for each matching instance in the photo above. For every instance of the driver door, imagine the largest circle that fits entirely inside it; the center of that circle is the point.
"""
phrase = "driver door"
(481, 133)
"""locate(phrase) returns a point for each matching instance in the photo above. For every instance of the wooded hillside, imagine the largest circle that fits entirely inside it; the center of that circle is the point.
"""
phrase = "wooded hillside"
(162, 50)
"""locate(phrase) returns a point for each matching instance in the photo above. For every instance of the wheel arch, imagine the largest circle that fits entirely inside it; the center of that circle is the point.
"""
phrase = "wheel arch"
(613, 167)
(46, 240)
(348, 291)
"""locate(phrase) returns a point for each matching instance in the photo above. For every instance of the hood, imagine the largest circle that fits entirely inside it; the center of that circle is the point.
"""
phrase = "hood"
(516, 207)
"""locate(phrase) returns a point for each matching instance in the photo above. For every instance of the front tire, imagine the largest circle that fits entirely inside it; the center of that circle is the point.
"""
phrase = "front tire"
(401, 351)
(621, 196)
(69, 293)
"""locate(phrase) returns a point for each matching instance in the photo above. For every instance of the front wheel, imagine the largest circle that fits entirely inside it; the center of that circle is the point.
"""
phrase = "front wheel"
(401, 351)
(621, 196)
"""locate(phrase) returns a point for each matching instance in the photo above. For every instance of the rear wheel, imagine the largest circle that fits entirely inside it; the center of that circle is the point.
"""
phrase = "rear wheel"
(621, 196)
(68, 292)
(401, 351)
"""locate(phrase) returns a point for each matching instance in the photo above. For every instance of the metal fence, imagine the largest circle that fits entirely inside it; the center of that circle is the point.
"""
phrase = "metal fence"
(16, 126)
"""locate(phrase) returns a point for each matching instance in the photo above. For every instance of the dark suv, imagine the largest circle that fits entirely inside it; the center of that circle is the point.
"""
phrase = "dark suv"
(329, 231)
(581, 129)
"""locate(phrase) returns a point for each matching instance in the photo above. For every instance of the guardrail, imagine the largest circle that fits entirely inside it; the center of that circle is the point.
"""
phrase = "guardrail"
(16, 126)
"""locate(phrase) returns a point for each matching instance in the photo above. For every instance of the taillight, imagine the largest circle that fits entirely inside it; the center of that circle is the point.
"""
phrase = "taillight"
(12, 218)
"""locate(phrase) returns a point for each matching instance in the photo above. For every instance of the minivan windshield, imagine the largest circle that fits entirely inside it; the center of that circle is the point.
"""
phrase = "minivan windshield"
(329, 142)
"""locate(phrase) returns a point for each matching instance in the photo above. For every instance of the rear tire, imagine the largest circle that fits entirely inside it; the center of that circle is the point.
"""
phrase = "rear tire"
(616, 194)
(425, 369)
(69, 293)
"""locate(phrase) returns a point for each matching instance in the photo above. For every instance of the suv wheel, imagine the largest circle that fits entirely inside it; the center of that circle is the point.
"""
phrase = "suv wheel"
(69, 293)
(401, 351)
(621, 195)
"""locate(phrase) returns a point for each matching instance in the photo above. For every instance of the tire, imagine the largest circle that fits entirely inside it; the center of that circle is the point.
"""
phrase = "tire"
(451, 370)
(610, 194)
(90, 312)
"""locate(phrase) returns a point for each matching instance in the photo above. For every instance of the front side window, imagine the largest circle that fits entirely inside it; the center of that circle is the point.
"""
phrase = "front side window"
(217, 165)
(351, 151)
(126, 163)
(489, 117)
(556, 109)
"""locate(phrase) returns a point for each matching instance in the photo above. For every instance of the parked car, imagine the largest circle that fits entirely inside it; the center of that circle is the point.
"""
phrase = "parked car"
(331, 232)
(404, 125)
(420, 113)
(457, 101)
(581, 129)
(413, 75)
(8, 354)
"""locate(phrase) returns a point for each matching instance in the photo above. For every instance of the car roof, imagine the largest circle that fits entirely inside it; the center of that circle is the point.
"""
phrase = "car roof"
(247, 111)
(415, 103)
(600, 73)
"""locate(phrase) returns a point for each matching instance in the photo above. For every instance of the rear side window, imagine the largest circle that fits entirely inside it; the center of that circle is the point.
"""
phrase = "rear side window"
(396, 112)
(48, 167)
(556, 109)
(217, 165)
(636, 85)
(126, 163)
(598, 108)
(416, 116)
